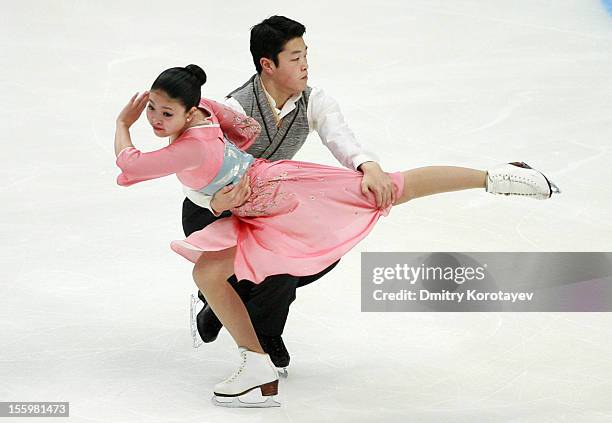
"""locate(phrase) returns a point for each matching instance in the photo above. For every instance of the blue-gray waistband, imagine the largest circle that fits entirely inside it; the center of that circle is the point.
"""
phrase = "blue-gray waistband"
(234, 166)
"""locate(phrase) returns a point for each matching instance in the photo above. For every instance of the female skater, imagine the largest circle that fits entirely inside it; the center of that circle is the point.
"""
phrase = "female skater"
(299, 217)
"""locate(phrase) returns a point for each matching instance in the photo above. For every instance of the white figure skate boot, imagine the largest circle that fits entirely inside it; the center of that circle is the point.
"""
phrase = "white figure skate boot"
(518, 178)
(254, 384)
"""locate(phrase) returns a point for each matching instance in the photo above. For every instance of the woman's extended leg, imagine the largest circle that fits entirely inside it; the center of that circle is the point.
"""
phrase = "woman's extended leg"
(431, 180)
(210, 275)
(516, 178)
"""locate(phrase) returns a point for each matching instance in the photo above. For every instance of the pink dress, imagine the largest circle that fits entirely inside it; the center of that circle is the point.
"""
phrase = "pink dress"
(300, 218)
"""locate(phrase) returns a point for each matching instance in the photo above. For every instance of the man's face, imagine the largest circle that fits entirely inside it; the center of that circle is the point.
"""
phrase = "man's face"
(292, 71)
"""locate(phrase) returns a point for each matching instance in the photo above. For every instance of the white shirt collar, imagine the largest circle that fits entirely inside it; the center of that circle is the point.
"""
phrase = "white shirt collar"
(287, 107)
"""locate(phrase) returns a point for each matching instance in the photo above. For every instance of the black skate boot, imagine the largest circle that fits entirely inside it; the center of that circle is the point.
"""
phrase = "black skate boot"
(204, 324)
(275, 348)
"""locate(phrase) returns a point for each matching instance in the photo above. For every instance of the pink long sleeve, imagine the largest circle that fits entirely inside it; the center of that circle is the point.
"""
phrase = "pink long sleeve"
(240, 129)
(137, 166)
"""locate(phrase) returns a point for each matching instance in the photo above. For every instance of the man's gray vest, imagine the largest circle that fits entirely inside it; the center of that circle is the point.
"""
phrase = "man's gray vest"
(273, 143)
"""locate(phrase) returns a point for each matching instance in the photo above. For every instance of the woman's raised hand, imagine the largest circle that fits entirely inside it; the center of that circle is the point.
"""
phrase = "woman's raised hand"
(132, 111)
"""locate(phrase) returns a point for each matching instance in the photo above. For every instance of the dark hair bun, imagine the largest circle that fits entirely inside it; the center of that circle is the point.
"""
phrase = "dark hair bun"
(197, 71)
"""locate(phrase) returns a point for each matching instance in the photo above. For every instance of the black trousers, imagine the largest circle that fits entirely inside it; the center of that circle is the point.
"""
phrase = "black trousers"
(268, 302)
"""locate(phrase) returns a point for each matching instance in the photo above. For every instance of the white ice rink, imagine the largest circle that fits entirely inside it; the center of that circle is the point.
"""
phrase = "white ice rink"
(93, 303)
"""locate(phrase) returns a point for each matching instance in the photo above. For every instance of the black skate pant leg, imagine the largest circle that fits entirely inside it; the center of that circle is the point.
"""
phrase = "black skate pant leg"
(305, 280)
(270, 300)
(269, 303)
(196, 218)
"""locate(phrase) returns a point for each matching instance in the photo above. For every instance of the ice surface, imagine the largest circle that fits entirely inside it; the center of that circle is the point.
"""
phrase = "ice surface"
(94, 305)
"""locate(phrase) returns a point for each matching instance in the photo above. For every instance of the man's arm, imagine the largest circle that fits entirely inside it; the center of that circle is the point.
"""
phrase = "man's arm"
(226, 198)
(325, 117)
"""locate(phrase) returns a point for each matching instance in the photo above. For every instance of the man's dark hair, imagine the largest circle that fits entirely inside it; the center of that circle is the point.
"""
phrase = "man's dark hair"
(268, 38)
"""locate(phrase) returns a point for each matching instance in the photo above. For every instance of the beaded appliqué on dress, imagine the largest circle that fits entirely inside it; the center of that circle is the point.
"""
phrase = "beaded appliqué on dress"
(267, 197)
(247, 127)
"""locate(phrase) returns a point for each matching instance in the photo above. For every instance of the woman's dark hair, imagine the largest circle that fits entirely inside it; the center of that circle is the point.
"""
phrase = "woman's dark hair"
(182, 84)
(268, 38)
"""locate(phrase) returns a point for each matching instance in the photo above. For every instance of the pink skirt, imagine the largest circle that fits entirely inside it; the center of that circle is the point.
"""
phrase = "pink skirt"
(300, 218)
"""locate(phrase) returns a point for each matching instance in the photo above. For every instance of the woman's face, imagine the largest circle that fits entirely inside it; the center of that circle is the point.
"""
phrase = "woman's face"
(166, 115)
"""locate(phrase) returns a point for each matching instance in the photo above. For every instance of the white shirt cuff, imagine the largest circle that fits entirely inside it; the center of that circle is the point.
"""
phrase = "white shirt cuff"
(362, 158)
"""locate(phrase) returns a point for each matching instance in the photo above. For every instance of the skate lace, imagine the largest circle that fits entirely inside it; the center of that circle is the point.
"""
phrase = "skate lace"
(517, 180)
(277, 345)
(273, 345)
(240, 369)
